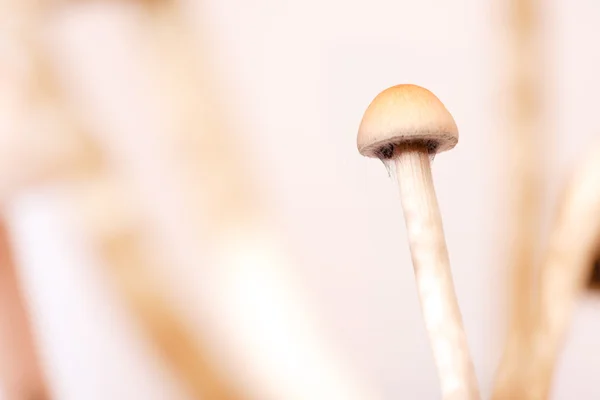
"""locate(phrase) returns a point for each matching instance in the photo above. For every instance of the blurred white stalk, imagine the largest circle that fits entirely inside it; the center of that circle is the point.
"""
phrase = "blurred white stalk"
(20, 374)
(574, 245)
(527, 143)
(116, 229)
(151, 98)
(39, 140)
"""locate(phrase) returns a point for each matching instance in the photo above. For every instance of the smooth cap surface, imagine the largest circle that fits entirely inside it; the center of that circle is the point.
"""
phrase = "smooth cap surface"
(404, 114)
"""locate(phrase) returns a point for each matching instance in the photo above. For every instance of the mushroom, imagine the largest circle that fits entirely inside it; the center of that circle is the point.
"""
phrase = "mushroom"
(404, 126)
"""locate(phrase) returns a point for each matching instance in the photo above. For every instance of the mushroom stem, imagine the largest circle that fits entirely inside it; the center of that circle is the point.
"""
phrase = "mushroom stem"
(569, 259)
(431, 263)
(527, 371)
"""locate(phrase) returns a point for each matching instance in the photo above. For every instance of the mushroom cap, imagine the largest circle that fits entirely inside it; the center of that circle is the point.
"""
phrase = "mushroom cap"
(406, 114)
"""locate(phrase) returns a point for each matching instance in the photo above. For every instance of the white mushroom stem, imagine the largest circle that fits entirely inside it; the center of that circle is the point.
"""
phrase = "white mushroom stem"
(433, 276)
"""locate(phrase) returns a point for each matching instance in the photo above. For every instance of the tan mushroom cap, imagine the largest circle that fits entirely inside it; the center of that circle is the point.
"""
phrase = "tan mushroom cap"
(406, 113)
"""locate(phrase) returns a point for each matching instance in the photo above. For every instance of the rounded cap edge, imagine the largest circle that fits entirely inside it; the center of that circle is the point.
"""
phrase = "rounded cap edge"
(406, 114)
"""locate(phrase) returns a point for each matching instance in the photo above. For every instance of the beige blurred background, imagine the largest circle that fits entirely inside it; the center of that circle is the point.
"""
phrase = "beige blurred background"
(303, 72)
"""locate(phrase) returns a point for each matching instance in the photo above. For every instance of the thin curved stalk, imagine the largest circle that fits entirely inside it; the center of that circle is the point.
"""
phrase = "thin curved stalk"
(569, 260)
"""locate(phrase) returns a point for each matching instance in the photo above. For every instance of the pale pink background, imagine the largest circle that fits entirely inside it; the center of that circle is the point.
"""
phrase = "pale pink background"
(304, 72)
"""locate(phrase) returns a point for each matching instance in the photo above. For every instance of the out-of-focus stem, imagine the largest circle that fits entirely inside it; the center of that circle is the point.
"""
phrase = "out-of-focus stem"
(115, 229)
(21, 376)
(566, 268)
(526, 167)
(525, 177)
(39, 139)
(43, 143)
(172, 145)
